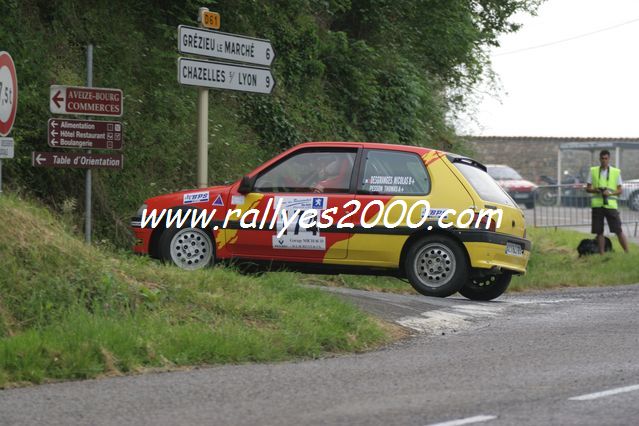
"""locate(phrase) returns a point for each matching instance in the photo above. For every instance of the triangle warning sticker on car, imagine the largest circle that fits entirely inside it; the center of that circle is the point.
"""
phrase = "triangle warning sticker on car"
(218, 201)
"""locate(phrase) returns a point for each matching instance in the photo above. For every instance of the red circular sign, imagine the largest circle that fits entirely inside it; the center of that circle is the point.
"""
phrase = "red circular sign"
(8, 93)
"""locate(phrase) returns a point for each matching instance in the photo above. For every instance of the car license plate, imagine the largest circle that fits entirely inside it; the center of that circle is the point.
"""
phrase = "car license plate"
(520, 195)
(514, 249)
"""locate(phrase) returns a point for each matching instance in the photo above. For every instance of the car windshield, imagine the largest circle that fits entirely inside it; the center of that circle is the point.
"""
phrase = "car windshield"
(486, 187)
(503, 173)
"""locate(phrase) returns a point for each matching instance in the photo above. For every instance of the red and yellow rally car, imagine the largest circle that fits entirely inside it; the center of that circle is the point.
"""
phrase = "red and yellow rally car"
(433, 217)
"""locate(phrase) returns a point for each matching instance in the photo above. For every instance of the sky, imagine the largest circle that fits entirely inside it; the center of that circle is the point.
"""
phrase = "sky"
(585, 87)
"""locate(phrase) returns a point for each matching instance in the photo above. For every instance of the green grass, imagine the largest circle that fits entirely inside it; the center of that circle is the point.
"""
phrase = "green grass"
(554, 263)
(71, 311)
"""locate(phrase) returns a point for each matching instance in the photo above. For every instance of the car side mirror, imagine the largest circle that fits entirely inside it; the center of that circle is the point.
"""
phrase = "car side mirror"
(246, 185)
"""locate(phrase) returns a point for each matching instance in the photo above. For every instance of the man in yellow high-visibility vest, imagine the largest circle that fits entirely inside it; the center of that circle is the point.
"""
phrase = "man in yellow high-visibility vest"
(605, 182)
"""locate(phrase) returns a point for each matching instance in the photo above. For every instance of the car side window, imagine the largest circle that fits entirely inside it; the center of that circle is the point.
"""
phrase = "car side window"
(321, 171)
(393, 173)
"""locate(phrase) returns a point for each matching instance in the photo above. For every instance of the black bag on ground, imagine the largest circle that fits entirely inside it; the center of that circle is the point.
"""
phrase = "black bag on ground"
(588, 246)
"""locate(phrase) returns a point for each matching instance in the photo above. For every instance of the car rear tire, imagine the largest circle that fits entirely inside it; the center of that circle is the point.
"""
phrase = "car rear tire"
(547, 196)
(436, 266)
(187, 248)
(486, 288)
(530, 205)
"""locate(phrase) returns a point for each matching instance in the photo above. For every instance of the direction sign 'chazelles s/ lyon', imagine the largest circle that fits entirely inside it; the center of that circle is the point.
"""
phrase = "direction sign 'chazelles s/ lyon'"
(219, 75)
(333, 177)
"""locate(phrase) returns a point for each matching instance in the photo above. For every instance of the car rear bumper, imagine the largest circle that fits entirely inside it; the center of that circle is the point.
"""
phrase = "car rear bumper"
(489, 255)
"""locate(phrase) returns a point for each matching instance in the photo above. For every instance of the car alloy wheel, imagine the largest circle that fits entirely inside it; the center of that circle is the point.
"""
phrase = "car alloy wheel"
(188, 248)
(436, 266)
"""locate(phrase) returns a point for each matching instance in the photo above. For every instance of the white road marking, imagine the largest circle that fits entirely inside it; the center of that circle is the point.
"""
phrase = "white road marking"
(539, 301)
(478, 310)
(610, 392)
(456, 318)
(466, 421)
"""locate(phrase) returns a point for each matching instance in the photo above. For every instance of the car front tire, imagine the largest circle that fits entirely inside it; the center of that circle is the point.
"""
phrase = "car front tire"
(436, 266)
(486, 288)
(187, 248)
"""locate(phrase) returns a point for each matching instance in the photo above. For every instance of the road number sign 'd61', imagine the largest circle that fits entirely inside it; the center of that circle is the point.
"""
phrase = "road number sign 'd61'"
(8, 93)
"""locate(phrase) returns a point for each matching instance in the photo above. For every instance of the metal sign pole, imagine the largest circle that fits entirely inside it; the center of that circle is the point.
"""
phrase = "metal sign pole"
(202, 126)
(0, 176)
(88, 177)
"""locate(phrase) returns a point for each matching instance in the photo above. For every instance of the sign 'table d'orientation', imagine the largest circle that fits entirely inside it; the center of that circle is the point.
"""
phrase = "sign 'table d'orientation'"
(219, 45)
(6, 148)
(88, 134)
(85, 101)
(218, 75)
(77, 160)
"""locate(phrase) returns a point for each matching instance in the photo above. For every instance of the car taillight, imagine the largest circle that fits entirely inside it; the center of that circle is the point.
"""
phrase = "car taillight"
(483, 223)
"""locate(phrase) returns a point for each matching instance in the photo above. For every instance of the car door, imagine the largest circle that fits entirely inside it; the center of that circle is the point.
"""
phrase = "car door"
(387, 176)
(313, 179)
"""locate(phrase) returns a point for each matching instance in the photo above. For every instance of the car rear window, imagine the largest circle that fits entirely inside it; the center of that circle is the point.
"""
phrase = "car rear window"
(486, 187)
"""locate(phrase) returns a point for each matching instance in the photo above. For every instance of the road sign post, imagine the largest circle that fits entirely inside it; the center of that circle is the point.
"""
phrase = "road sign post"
(220, 75)
(202, 125)
(88, 178)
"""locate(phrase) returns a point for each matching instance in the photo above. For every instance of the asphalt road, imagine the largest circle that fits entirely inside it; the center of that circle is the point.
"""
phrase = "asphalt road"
(522, 360)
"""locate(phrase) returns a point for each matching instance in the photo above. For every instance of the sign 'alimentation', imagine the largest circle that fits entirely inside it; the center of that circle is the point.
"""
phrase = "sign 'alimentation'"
(87, 134)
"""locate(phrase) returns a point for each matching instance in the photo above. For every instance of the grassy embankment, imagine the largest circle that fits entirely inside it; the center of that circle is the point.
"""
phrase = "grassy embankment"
(554, 263)
(69, 311)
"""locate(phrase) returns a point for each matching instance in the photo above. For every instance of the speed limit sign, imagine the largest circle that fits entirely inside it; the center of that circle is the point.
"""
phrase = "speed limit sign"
(8, 93)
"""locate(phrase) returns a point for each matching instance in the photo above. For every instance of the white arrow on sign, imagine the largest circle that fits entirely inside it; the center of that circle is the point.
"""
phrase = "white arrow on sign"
(218, 75)
(39, 159)
(218, 45)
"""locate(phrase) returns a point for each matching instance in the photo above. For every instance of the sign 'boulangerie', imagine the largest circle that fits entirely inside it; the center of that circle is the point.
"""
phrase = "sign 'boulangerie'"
(88, 134)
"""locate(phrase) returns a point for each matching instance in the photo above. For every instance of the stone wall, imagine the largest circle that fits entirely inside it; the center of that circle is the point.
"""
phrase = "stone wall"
(536, 156)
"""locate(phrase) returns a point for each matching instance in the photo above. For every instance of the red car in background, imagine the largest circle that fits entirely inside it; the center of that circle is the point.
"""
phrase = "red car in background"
(520, 189)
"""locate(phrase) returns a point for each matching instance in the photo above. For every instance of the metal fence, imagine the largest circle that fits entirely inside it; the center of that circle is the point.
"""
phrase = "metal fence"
(569, 206)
